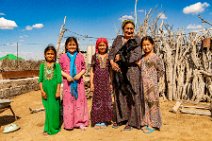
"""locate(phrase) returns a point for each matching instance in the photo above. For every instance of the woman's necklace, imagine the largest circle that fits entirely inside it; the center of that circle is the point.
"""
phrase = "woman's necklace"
(49, 71)
(102, 59)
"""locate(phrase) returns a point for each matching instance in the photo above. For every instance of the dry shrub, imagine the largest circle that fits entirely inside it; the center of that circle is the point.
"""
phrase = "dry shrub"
(12, 65)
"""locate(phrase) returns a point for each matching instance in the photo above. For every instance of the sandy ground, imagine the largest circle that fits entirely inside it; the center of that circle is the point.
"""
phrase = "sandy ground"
(176, 127)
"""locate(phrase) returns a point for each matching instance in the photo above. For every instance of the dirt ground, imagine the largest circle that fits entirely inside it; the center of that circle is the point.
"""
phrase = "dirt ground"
(176, 127)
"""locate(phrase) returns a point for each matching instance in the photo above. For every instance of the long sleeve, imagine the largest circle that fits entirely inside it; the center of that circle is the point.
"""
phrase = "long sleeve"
(117, 44)
(136, 54)
(83, 66)
(41, 69)
(59, 74)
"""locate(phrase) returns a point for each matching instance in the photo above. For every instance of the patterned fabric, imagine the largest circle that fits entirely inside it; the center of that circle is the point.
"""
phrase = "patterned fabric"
(73, 72)
(152, 68)
(51, 104)
(124, 109)
(102, 101)
(48, 71)
(75, 112)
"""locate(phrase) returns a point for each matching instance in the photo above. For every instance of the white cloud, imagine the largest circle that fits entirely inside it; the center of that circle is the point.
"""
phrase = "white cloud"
(2, 14)
(28, 27)
(196, 8)
(23, 36)
(141, 10)
(38, 26)
(126, 17)
(21, 40)
(194, 27)
(7, 24)
(34, 26)
(162, 16)
(11, 44)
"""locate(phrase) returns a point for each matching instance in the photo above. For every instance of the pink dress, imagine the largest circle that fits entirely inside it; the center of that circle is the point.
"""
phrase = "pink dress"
(75, 112)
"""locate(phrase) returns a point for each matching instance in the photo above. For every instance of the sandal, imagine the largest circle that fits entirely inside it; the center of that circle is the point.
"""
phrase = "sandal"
(11, 128)
(103, 125)
(115, 125)
(150, 130)
(82, 127)
(127, 128)
(97, 126)
(45, 133)
(145, 129)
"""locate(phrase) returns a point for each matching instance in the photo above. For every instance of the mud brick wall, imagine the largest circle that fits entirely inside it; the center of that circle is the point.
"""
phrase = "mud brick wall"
(11, 88)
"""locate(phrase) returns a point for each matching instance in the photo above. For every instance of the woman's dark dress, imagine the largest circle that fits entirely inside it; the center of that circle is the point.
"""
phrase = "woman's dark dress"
(125, 110)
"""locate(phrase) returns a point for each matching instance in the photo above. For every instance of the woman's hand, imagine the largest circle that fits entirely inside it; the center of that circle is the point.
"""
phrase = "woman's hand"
(111, 87)
(43, 94)
(138, 63)
(69, 78)
(92, 88)
(77, 77)
(57, 94)
(115, 67)
(117, 58)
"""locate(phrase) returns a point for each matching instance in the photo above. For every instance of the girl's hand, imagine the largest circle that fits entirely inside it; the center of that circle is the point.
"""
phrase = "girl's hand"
(111, 87)
(115, 67)
(43, 94)
(57, 95)
(77, 77)
(117, 58)
(92, 88)
(70, 79)
(138, 63)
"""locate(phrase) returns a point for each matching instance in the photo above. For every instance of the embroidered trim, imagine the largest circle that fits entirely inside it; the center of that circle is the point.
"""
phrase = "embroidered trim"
(102, 62)
(49, 71)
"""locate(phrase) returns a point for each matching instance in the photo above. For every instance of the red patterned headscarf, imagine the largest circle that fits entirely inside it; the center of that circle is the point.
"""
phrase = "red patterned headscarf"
(99, 40)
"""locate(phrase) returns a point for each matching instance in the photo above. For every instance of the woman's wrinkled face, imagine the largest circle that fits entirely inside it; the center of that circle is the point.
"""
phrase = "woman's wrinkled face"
(50, 56)
(147, 46)
(71, 46)
(128, 30)
(102, 48)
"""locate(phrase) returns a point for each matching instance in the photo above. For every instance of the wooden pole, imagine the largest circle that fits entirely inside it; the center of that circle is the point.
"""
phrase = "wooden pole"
(17, 55)
(62, 31)
(135, 15)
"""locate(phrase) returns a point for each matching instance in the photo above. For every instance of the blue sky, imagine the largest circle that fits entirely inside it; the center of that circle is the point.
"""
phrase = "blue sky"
(36, 23)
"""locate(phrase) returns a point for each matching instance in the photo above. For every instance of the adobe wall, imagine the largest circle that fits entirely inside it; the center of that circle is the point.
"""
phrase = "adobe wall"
(11, 88)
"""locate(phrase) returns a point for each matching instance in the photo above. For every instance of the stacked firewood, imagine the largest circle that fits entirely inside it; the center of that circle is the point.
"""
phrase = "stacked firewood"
(187, 59)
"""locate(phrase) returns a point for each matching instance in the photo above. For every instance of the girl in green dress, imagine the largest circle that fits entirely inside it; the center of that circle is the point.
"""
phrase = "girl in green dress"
(50, 79)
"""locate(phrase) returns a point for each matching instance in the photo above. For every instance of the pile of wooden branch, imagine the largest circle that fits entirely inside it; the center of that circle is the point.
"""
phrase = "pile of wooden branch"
(187, 59)
(184, 108)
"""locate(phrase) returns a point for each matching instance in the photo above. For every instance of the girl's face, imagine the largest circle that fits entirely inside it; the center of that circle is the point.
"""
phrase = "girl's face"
(128, 30)
(147, 46)
(102, 48)
(50, 56)
(71, 46)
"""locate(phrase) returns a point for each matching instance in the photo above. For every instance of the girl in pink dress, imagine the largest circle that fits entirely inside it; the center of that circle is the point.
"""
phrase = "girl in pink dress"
(75, 109)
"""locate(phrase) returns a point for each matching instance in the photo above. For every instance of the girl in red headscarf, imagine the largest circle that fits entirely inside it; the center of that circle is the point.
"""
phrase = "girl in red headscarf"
(101, 112)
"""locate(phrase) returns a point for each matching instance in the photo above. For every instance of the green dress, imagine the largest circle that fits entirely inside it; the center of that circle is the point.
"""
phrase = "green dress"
(51, 104)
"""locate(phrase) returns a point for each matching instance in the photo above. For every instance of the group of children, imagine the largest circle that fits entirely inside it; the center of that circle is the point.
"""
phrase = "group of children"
(69, 71)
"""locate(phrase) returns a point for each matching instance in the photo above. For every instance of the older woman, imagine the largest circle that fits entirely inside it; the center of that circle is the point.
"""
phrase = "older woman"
(127, 89)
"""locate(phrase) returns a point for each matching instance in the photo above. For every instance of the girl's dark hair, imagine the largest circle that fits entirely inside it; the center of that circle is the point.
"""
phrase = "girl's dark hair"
(147, 38)
(71, 39)
(51, 47)
(125, 22)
